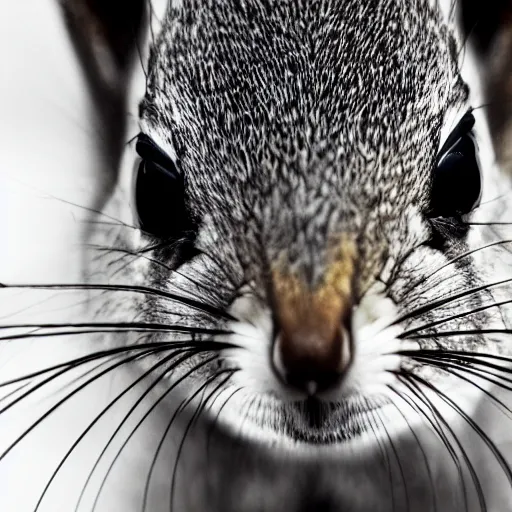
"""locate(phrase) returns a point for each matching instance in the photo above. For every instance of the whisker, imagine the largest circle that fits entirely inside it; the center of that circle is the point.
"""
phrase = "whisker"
(185, 402)
(490, 223)
(186, 301)
(407, 333)
(14, 392)
(192, 422)
(28, 308)
(67, 397)
(397, 458)
(161, 264)
(137, 426)
(447, 300)
(460, 332)
(73, 363)
(215, 420)
(455, 259)
(187, 356)
(118, 326)
(441, 422)
(468, 367)
(462, 353)
(384, 452)
(90, 210)
(494, 199)
(422, 450)
(453, 369)
(473, 425)
(49, 379)
(111, 223)
(436, 428)
(103, 412)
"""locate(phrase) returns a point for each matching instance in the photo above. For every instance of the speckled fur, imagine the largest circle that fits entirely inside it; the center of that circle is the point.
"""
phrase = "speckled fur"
(307, 118)
(292, 122)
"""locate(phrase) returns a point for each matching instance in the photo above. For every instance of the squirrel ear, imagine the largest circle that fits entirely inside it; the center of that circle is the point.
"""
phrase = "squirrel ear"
(488, 26)
(106, 34)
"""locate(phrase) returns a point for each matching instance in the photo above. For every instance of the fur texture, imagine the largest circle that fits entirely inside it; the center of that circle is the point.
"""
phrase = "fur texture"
(302, 129)
(294, 124)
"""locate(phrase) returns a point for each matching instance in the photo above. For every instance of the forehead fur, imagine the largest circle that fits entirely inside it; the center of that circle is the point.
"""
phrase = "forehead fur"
(311, 99)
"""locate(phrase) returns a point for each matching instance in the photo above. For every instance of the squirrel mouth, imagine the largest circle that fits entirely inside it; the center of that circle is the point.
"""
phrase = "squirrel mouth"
(319, 422)
(314, 411)
(310, 421)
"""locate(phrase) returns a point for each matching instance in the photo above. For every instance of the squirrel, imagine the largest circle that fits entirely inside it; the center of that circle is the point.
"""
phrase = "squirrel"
(301, 283)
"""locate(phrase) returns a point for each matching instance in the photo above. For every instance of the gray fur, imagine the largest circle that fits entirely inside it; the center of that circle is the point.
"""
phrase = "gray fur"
(293, 121)
(306, 118)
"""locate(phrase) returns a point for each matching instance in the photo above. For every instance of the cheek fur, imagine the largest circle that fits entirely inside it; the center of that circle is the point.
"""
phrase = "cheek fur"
(375, 346)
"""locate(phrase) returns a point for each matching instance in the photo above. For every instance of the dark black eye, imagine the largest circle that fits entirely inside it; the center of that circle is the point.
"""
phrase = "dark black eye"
(159, 194)
(456, 185)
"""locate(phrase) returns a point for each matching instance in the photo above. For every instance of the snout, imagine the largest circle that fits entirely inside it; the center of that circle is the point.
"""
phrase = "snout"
(312, 346)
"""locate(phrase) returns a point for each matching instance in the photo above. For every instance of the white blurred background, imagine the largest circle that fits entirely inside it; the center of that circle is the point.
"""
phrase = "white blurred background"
(47, 145)
(50, 165)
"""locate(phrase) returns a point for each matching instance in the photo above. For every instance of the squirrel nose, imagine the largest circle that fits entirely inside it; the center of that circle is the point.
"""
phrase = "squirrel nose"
(312, 347)
(311, 362)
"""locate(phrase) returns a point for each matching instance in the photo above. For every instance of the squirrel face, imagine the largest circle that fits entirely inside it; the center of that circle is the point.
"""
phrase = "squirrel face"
(292, 293)
(305, 169)
(305, 180)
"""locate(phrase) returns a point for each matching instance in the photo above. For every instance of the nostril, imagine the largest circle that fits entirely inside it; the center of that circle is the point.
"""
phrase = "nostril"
(309, 362)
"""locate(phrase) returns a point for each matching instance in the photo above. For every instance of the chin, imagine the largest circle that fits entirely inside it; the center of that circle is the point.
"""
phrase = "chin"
(311, 422)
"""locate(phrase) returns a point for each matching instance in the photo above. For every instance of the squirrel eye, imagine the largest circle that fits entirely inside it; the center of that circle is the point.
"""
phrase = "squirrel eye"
(457, 181)
(159, 193)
